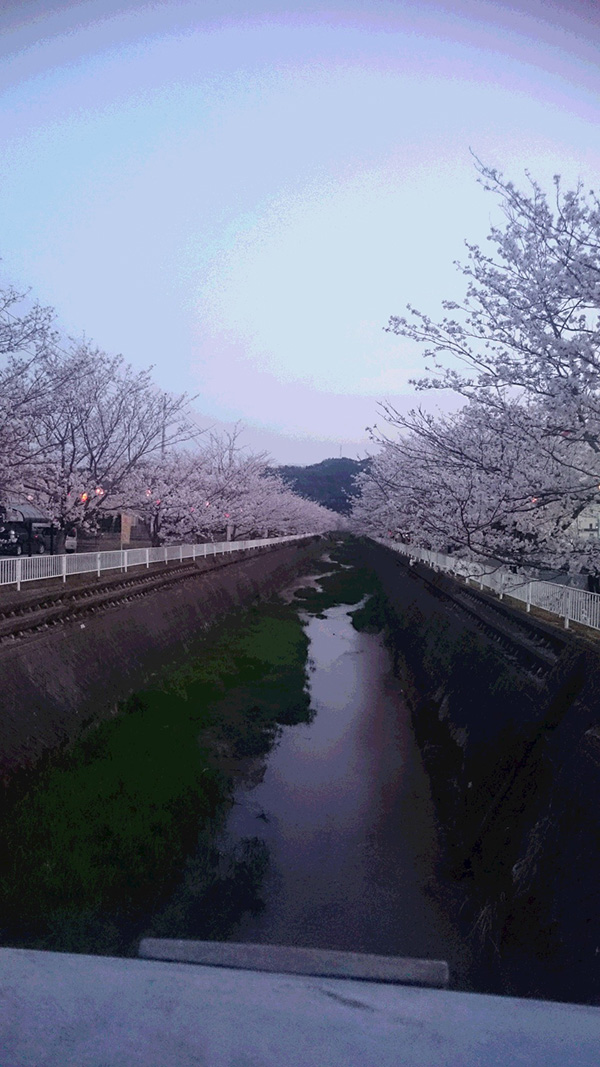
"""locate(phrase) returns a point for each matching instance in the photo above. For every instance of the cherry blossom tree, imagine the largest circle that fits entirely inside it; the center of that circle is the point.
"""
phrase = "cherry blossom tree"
(104, 422)
(82, 433)
(218, 491)
(464, 482)
(26, 387)
(509, 474)
(529, 320)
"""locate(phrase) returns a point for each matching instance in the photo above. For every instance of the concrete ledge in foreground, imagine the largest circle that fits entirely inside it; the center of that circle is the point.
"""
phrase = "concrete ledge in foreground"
(64, 1010)
(287, 959)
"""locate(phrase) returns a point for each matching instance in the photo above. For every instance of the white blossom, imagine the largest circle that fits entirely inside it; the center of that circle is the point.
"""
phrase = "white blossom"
(506, 477)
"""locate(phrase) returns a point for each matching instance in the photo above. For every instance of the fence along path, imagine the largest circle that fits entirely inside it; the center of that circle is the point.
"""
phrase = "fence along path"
(15, 570)
(568, 603)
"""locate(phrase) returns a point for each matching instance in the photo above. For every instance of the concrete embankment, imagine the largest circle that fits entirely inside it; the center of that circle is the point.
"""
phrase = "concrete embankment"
(55, 682)
(508, 721)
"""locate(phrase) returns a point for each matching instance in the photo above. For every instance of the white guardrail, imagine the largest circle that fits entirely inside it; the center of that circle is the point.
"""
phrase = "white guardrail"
(15, 570)
(569, 603)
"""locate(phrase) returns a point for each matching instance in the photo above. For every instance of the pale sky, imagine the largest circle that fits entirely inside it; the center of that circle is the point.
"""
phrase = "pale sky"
(241, 194)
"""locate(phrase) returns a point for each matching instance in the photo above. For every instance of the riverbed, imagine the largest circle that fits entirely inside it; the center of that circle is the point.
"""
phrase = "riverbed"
(270, 790)
(345, 814)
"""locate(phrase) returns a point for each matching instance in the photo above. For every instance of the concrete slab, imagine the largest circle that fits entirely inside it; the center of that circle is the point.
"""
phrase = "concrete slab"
(61, 1010)
(288, 959)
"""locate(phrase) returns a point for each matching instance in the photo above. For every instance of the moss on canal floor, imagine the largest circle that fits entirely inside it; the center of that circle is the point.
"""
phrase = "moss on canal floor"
(103, 831)
(100, 838)
(349, 583)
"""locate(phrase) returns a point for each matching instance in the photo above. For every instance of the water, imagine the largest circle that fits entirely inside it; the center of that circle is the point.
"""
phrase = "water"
(345, 815)
(331, 840)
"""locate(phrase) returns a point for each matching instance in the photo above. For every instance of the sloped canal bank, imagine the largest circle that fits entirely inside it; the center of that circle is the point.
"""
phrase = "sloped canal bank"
(246, 798)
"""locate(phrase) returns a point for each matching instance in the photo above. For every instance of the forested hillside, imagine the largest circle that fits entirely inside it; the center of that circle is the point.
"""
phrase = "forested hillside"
(329, 483)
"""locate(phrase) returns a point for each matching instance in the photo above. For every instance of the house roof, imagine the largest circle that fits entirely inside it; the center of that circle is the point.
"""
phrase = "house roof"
(21, 510)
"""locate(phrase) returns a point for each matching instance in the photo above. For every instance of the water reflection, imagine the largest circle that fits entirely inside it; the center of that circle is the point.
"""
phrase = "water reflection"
(345, 812)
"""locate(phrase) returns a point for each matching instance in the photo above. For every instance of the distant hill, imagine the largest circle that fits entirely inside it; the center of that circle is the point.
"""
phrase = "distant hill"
(328, 483)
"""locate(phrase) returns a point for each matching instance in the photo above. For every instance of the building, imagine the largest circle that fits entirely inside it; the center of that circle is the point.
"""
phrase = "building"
(587, 523)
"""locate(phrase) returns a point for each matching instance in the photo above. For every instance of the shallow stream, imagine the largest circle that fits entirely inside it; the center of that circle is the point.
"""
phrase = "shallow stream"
(345, 812)
(271, 790)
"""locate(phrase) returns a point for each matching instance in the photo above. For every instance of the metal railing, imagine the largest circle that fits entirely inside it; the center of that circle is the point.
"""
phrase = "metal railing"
(15, 570)
(568, 603)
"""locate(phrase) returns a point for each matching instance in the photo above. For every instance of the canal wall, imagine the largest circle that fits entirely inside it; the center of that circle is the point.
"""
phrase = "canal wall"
(55, 683)
(509, 726)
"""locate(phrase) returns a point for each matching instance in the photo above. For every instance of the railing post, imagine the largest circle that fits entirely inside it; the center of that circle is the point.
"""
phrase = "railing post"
(501, 593)
(194, 553)
(528, 597)
(18, 573)
(125, 560)
(98, 567)
(567, 607)
(166, 557)
(63, 567)
(181, 553)
(147, 557)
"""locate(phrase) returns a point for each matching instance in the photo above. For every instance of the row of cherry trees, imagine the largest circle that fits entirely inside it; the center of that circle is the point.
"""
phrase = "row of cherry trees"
(82, 433)
(219, 489)
(507, 476)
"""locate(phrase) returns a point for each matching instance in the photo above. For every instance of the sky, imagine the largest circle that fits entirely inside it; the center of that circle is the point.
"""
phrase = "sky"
(242, 194)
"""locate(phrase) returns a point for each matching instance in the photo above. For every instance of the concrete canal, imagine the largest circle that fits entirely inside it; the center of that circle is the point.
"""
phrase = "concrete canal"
(271, 791)
(344, 813)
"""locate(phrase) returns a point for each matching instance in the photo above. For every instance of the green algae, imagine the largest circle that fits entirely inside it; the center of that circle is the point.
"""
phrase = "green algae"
(102, 833)
(120, 833)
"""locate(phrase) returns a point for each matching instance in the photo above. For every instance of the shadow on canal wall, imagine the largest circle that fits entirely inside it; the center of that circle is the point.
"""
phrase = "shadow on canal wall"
(514, 762)
(55, 683)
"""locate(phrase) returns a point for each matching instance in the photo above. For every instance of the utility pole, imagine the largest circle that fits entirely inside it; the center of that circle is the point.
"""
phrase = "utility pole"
(163, 435)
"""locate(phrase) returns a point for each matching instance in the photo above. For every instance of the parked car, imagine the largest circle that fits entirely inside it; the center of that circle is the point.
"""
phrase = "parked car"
(11, 542)
(71, 540)
(24, 539)
(42, 538)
